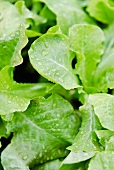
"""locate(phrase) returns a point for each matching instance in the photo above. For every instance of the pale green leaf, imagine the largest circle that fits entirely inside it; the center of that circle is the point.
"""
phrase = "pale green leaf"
(62, 9)
(51, 57)
(110, 144)
(86, 41)
(51, 165)
(104, 136)
(104, 74)
(84, 140)
(14, 96)
(28, 15)
(102, 161)
(13, 161)
(103, 105)
(42, 132)
(83, 3)
(10, 19)
(12, 16)
(74, 158)
(10, 48)
(14, 19)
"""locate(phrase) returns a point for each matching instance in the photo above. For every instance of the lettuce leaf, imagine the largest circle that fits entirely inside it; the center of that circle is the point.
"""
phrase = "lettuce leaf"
(56, 85)
(62, 9)
(102, 161)
(16, 96)
(51, 57)
(86, 42)
(103, 105)
(102, 10)
(44, 130)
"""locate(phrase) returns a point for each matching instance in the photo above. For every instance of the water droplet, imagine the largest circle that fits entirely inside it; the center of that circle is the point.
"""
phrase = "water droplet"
(25, 157)
(43, 146)
(4, 47)
(57, 73)
(34, 113)
(53, 129)
(39, 63)
(81, 132)
(47, 158)
(60, 79)
(37, 59)
(44, 52)
(69, 126)
(31, 51)
(60, 60)
(59, 151)
(85, 154)
(54, 104)
(58, 115)
(40, 154)
(105, 165)
(53, 70)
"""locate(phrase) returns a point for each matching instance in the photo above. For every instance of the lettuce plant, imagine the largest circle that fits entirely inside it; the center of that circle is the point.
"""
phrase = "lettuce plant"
(56, 85)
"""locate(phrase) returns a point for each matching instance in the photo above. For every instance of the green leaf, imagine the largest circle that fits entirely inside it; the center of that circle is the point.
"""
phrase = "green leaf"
(102, 161)
(104, 136)
(14, 96)
(10, 48)
(28, 15)
(62, 9)
(10, 19)
(3, 129)
(49, 15)
(14, 19)
(72, 160)
(51, 165)
(104, 109)
(104, 73)
(42, 132)
(12, 16)
(102, 11)
(31, 33)
(110, 144)
(83, 3)
(85, 140)
(51, 57)
(55, 29)
(86, 41)
(12, 35)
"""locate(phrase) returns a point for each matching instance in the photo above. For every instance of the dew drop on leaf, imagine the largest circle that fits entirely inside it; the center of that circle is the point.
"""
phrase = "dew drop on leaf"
(44, 52)
(85, 154)
(9, 101)
(39, 63)
(60, 79)
(40, 155)
(53, 70)
(25, 157)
